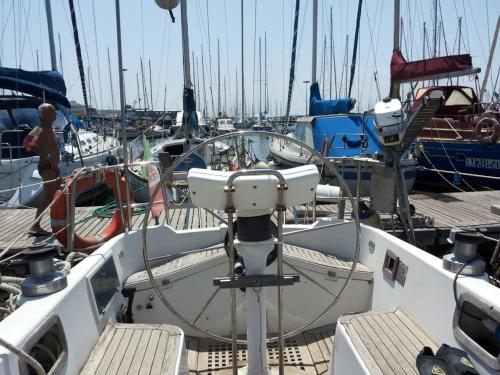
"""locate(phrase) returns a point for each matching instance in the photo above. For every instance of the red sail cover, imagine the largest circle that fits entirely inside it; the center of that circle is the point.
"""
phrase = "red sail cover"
(401, 70)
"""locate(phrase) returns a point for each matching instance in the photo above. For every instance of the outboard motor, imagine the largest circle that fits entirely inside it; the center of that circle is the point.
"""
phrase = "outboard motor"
(389, 122)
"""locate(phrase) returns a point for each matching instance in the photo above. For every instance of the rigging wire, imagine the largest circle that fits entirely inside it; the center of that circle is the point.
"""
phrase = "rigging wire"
(26, 30)
(165, 21)
(98, 62)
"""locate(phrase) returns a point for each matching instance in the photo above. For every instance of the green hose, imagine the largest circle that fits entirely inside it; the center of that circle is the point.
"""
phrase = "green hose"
(109, 209)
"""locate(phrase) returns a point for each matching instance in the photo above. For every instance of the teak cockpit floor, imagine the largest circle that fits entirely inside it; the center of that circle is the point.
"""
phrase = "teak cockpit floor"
(308, 353)
(135, 349)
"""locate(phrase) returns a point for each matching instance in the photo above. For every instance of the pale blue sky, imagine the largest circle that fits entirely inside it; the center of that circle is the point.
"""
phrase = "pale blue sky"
(148, 32)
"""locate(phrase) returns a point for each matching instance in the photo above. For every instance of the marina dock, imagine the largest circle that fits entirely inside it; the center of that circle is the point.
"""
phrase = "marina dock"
(435, 215)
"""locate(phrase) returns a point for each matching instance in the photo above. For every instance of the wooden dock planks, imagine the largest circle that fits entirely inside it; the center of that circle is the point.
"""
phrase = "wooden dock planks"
(448, 210)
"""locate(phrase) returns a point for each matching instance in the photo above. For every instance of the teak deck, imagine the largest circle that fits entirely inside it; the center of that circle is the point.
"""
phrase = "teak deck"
(446, 211)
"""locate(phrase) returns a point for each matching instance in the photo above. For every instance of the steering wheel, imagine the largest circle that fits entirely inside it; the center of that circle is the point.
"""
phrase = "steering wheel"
(315, 157)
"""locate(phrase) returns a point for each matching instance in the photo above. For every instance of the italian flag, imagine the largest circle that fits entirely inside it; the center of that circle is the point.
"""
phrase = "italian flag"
(151, 173)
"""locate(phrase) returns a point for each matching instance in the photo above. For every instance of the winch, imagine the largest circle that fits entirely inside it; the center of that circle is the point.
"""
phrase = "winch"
(43, 279)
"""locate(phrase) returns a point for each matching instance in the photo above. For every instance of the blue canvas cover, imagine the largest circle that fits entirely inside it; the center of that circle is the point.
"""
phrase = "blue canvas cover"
(319, 107)
(190, 108)
(47, 85)
(346, 135)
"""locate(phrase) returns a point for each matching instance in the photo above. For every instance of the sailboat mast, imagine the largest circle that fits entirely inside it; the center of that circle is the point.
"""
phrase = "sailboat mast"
(395, 86)
(355, 47)
(122, 98)
(260, 77)
(53, 60)
(266, 97)
(237, 100)
(434, 37)
(144, 92)
(78, 54)
(203, 79)
(111, 82)
(60, 54)
(138, 91)
(218, 77)
(395, 44)
(490, 59)
(242, 73)
(314, 41)
(186, 65)
(150, 85)
(331, 50)
(292, 62)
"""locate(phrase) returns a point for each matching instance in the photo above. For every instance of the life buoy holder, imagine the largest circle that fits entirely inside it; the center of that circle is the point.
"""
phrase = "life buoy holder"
(58, 211)
(493, 127)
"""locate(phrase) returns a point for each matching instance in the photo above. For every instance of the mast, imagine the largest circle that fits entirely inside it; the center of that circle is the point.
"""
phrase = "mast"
(266, 97)
(331, 51)
(53, 60)
(346, 62)
(144, 89)
(122, 96)
(236, 80)
(490, 59)
(138, 91)
(434, 37)
(78, 54)
(323, 66)
(243, 71)
(395, 44)
(203, 79)
(60, 54)
(314, 41)
(150, 85)
(260, 79)
(355, 47)
(423, 41)
(195, 86)
(224, 108)
(459, 37)
(186, 66)
(394, 93)
(197, 82)
(292, 62)
(218, 78)
(111, 83)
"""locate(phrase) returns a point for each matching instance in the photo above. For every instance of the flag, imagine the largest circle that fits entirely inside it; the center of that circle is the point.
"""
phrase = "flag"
(152, 174)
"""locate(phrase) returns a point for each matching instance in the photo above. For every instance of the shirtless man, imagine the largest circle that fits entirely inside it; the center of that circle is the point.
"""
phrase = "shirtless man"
(45, 145)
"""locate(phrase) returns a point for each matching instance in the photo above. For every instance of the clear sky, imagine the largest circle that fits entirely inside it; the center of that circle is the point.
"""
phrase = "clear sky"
(148, 33)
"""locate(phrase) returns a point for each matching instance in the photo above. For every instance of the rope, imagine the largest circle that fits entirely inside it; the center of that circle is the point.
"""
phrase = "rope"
(438, 171)
(25, 357)
(108, 211)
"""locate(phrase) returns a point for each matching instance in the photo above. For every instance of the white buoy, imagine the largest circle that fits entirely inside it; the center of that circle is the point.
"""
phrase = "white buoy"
(167, 4)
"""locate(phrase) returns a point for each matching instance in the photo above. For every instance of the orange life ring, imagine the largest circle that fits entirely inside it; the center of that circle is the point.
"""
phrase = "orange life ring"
(59, 209)
(493, 130)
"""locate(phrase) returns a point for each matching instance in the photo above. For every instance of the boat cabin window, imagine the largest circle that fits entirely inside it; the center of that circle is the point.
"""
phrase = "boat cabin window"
(5, 121)
(457, 98)
(28, 116)
(48, 346)
(303, 132)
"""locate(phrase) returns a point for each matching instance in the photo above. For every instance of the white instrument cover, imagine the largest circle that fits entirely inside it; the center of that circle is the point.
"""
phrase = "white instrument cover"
(257, 192)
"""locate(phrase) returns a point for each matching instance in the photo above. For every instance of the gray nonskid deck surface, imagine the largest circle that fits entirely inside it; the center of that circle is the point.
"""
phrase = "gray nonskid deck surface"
(388, 342)
(290, 252)
(135, 349)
